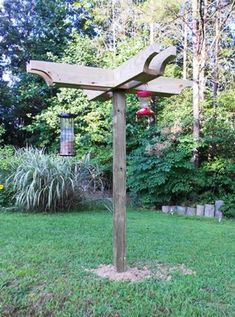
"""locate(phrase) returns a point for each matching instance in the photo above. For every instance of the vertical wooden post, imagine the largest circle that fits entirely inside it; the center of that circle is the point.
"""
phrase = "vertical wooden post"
(119, 181)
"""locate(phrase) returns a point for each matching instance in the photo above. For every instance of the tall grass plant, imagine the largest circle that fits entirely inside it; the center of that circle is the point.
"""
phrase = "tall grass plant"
(44, 182)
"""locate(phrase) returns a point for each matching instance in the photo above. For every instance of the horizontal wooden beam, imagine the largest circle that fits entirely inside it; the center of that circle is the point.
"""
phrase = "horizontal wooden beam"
(74, 76)
(153, 68)
(161, 86)
(143, 67)
(141, 71)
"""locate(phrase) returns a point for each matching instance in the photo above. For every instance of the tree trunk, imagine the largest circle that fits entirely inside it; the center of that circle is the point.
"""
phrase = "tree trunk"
(196, 71)
(216, 53)
(199, 12)
(185, 44)
(113, 30)
(151, 32)
(203, 55)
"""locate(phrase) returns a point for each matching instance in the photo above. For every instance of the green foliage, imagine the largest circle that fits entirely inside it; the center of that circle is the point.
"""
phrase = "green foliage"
(45, 182)
(228, 208)
(93, 124)
(2, 131)
(29, 31)
(163, 172)
(160, 169)
(105, 34)
(9, 163)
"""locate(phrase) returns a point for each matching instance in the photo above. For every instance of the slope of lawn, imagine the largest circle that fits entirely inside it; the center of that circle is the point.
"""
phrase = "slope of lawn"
(43, 262)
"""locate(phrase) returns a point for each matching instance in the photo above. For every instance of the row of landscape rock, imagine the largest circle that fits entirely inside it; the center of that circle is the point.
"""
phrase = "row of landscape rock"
(207, 210)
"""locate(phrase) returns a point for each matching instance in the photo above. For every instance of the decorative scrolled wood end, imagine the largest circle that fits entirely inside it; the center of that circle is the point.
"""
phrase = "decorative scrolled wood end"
(45, 75)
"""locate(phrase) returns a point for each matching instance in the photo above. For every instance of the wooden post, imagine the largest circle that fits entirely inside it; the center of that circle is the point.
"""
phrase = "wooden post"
(119, 181)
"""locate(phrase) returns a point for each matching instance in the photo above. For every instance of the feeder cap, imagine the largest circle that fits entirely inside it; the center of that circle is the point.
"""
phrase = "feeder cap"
(67, 115)
(144, 93)
(145, 112)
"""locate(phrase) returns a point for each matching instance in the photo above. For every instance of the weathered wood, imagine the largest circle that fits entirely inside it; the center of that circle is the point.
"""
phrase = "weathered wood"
(165, 209)
(191, 211)
(94, 78)
(209, 210)
(98, 83)
(129, 76)
(72, 76)
(180, 210)
(200, 210)
(119, 180)
(218, 205)
(161, 86)
(138, 66)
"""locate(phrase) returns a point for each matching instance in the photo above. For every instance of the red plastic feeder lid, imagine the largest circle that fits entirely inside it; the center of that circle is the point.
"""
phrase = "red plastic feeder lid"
(143, 93)
(144, 112)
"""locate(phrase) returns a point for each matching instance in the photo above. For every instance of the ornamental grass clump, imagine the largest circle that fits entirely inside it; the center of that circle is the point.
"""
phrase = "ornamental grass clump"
(44, 182)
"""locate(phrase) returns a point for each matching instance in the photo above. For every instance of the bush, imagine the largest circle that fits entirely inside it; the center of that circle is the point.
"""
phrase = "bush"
(228, 208)
(45, 182)
(164, 173)
(9, 163)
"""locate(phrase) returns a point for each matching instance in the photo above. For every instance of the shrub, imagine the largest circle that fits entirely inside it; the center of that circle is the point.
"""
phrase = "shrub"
(163, 173)
(45, 182)
(9, 163)
(228, 208)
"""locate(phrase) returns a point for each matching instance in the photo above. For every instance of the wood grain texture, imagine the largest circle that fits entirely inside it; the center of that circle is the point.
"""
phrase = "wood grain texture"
(161, 86)
(119, 181)
(142, 68)
(72, 76)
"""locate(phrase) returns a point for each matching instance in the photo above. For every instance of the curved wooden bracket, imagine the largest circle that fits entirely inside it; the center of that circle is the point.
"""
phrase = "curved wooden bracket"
(153, 67)
(158, 64)
(40, 73)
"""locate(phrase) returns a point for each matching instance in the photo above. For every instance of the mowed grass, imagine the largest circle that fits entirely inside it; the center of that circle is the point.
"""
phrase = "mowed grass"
(43, 262)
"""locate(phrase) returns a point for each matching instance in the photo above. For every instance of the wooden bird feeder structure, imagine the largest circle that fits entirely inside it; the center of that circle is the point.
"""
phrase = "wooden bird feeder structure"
(147, 67)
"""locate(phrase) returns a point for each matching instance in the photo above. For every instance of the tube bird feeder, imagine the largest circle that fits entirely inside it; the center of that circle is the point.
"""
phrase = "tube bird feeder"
(67, 138)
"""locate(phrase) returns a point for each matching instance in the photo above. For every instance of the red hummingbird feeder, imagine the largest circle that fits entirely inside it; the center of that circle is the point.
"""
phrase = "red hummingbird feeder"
(144, 97)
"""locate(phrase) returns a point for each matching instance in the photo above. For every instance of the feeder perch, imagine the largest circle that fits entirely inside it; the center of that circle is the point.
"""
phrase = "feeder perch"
(67, 134)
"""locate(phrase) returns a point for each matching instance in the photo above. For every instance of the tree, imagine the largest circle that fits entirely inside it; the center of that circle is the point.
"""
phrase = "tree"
(29, 31)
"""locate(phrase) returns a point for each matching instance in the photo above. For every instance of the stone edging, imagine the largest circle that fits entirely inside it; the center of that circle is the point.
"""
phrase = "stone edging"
(207, 210)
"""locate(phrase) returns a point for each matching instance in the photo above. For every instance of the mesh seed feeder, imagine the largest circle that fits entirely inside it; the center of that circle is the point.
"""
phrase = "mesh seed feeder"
(144, 97)
(67, 134)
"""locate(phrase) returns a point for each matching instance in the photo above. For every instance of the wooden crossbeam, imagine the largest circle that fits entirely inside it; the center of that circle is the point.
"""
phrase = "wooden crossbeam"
(153, 68)
(94, 78)
(73, 76)
(146, 67)
(161, 86)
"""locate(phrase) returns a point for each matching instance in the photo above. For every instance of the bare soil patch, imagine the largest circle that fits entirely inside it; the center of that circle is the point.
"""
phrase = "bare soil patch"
(159, 271)
(131, 274)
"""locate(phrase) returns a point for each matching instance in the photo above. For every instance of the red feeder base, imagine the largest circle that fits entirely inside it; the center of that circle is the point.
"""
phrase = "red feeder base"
(144, 112)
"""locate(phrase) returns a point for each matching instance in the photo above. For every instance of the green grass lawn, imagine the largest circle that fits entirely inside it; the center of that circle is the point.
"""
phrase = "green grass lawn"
(43, 262)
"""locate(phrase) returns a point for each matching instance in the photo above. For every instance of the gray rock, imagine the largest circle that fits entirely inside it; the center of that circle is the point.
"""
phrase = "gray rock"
(209, 210)
(218, 205)
(172, 209)
(180, 210)
(191, 211)
(200, 210)
(219, 215)
(165, 209)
